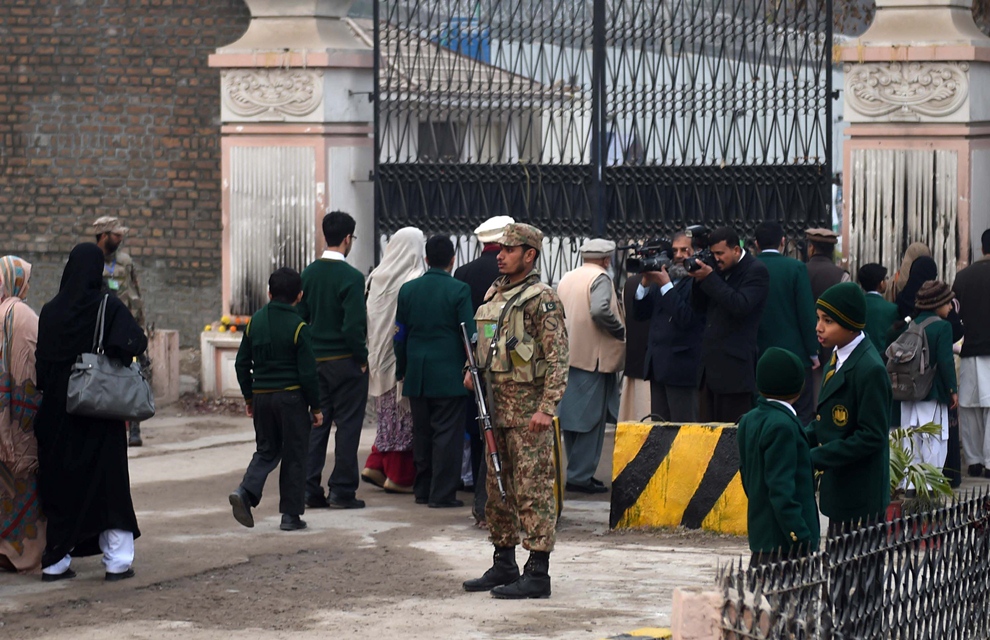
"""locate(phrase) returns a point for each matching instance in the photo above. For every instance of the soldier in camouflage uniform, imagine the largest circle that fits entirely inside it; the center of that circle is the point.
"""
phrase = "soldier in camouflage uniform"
(120, 278)
(522, 345)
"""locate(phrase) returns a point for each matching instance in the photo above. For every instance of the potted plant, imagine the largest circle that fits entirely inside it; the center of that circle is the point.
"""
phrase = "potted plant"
(930, 488)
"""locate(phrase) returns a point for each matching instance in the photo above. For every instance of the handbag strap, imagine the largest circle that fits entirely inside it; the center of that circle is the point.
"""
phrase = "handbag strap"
(98, 330)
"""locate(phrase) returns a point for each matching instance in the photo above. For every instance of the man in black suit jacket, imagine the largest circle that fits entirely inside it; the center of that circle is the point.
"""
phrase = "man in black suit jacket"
(673, 351)
(733, 299)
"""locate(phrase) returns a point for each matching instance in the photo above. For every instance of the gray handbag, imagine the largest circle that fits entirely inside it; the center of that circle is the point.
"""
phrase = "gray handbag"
(101, 387)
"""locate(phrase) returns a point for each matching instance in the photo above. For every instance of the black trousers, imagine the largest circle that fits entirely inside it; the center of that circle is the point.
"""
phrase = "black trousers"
(723, 407)
(438, 446)
(281, 430)
(479, 457)
(673, 404)
(343, 396)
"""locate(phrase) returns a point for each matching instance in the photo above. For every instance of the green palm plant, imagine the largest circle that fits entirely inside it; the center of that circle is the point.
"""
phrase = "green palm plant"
(931, 486)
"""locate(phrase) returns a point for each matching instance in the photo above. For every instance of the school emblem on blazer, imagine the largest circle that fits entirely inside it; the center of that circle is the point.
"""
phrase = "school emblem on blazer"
(840, 415)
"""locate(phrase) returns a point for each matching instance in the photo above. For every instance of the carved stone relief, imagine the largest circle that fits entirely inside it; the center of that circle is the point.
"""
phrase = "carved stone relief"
(272, 94)
(906, 91)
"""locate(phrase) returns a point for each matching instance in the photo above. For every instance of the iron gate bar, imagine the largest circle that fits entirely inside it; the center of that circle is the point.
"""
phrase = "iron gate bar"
(620, 117)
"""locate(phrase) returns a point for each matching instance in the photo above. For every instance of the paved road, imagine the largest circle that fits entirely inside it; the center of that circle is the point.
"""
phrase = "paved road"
(392, 570)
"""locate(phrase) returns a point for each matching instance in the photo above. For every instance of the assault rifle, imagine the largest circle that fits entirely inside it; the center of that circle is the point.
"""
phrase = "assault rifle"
(484, 418)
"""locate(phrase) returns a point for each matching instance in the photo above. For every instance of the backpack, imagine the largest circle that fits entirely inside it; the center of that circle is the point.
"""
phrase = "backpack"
(909, 363)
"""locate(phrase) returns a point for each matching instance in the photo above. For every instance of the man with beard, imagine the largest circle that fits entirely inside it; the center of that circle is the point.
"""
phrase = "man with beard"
(120, 278)
(674, 347)
(733, 298)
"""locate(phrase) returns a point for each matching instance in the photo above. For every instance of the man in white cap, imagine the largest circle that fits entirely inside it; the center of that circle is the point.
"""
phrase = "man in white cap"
(479, 274)
(120, 277)
(596, 335)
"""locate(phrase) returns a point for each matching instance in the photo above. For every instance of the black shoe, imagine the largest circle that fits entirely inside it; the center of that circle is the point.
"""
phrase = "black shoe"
(68, 574)
(241, 506)
(533, 583)
(134, 435)
(447, 504)
(422, 500)
(504, 571)
(317, 502)
(117, 577)
(975, 470)
(292, 523)
(586, 488)
(596, 482)
(345, 503)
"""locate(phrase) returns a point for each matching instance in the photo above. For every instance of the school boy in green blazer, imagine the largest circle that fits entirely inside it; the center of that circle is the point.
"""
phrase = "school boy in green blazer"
(849, 433)
(429, 360)
(881, 315)
(276, 370)
(775, 464)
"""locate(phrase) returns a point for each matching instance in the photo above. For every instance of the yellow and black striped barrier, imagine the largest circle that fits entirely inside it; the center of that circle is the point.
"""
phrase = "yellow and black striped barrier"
(669, 475)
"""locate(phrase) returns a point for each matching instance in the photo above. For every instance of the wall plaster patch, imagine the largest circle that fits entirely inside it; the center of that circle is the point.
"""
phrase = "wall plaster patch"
(272, 94)
(906, 91)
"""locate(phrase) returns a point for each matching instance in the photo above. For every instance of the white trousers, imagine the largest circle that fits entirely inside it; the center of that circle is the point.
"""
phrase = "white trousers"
(118, 553)
(634, 401)
(974, 433)
(930, 449)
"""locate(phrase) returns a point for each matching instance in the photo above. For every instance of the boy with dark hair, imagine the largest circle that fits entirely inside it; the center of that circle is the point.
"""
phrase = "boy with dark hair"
(276, 371)
(849, 434)
(333, 303)
(775, 464)
(880, 314)
(429, 360)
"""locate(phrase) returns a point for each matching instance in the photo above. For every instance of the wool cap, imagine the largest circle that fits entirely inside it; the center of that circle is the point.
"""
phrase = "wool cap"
(518, 234)
(108, 224)
(491, 229)
(932, 295)
(846, 304)
(597, 248)
(826, 236)
(779, 374)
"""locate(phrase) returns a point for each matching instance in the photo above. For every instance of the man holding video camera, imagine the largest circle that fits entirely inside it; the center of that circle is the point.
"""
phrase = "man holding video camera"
(730, 287)
(663, 296)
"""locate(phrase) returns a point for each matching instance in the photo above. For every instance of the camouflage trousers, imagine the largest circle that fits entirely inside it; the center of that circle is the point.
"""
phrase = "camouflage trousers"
(528, 474)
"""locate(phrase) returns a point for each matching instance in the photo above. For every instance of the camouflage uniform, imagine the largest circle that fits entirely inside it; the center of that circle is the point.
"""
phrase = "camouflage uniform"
(526, 377)
(120, 277)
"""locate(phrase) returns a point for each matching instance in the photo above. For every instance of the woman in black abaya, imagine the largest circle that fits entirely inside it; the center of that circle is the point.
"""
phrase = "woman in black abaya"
(83, 482)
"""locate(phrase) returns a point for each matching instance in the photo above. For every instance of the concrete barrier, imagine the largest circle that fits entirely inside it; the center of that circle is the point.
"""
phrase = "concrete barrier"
(669, 475)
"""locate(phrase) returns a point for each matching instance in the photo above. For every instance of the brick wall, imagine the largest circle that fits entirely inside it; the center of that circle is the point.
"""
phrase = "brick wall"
(108, 107)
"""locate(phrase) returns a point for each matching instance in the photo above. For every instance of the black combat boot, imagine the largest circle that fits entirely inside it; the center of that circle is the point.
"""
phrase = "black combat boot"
(534, 582)
(504, 571)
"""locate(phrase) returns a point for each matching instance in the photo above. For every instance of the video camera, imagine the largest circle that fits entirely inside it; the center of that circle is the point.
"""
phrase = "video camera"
(699, 235)
(653, 255)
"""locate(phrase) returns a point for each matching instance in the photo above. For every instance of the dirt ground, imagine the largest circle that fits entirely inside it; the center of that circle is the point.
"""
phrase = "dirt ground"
(392, 570)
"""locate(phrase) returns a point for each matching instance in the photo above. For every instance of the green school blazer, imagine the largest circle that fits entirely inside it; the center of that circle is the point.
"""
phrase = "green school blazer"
(849, 437)
(778, 477)
(429, 351)
(880, 318)
(789, 318)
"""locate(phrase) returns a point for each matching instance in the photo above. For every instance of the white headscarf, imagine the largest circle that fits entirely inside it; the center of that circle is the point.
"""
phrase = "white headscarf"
(403, 261)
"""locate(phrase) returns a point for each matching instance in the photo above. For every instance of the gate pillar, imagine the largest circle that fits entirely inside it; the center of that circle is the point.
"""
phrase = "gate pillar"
(296, 138)
(916, 164)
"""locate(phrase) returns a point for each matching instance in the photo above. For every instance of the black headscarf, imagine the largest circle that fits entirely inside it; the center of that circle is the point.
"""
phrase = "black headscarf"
(923, 269)
(67, 323)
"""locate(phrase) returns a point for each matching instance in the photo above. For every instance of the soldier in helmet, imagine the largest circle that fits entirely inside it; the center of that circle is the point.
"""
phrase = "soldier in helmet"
(522, 345)
(120, 277)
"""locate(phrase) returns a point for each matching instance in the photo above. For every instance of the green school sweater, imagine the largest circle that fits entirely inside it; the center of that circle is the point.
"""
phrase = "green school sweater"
(333, 305)
(276, 355)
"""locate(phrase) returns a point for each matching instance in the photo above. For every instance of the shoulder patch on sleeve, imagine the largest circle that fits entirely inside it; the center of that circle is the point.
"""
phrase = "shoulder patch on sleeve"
(400, 332)
(549, 306)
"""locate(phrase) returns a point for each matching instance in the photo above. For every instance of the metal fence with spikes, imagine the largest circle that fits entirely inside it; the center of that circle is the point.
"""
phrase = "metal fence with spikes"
(913, 577)
(626, 118)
